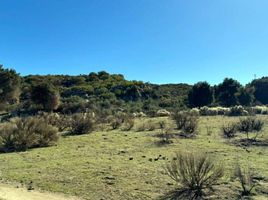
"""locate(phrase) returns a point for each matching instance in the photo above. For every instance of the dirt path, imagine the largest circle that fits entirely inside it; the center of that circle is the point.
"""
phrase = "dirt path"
(8, 192)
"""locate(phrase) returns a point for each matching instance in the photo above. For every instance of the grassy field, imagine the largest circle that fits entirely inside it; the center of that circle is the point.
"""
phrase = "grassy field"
(130, 165)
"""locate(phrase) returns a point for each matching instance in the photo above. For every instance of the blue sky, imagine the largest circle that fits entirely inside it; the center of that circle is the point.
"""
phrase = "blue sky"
(159, 41)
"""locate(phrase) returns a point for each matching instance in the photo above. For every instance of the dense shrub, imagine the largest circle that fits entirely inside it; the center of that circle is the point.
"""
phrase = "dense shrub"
(81, 124)
(229, 130)
(22, 134)
(237, 111)
(195, 173)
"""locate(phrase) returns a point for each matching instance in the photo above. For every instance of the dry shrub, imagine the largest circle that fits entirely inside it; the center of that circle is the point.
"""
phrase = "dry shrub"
(229, 130)
(246, 179)
(189, 128)
(250, 124)
(22, 134)
(62, 122)
(141, 127)
(128, 124)
(195, 173)
(81, 124)
(151, 126)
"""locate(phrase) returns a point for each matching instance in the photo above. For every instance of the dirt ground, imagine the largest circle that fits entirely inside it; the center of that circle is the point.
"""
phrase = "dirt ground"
(8, 192)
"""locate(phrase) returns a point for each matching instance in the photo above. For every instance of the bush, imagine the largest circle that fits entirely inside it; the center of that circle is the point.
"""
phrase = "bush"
(118, 119)
(128, 124)
(190, 127)
(22, 134)
(141, 127)
(245, 178)
(116, 123)
(81, 124)
(181, 118)
(229, 130)
(165, 134)
(250, 124)
(195, 173)
(62, 122)
(238, 111)
(187, 122)
(151, 126)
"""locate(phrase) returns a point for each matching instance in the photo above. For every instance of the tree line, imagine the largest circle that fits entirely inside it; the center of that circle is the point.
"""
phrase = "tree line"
(104, 91)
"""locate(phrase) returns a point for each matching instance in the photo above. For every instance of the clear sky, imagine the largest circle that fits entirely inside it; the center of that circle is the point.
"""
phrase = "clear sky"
(159, 41)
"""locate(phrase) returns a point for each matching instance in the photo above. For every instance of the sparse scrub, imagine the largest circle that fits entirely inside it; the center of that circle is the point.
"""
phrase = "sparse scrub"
(250, 124)
(195, 174)
(151, 126)
(116, 123)
(246, 180)
(81, 124)
(187, 122)
(128, 124)
(181, 118)
(165, 135)
(229, 130)
(22, 134)
(189, 128)
(141, 127)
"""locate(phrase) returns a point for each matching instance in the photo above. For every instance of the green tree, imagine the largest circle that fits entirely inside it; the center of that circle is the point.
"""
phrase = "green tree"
(9, 86)
(200, 95)
(260, 89)
(226, 92)
(245, 96)
(46, 95)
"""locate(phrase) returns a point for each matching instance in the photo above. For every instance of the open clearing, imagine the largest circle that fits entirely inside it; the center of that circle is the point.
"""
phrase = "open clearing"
(130, 165)
(8, 192)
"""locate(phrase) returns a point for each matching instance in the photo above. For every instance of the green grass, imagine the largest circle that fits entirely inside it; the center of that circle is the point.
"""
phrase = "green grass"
(121, 165)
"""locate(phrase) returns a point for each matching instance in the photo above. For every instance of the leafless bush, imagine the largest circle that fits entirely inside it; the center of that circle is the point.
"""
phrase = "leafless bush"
(229, 130)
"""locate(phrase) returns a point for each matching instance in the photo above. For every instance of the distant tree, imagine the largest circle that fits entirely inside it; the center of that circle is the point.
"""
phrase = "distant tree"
(45, 95)
(103, 75)
(245, 96)
(9, 86)
(226, 92)
(260, 89)
(200, 95)
(93, 77)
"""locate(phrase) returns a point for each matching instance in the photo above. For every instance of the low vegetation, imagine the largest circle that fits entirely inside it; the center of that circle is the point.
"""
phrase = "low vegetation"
(246, 179)
(229, 130)
(81, 124)
(195, 173)
(250, 125)
(187, 123)
(70, 166)
(22, 134)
